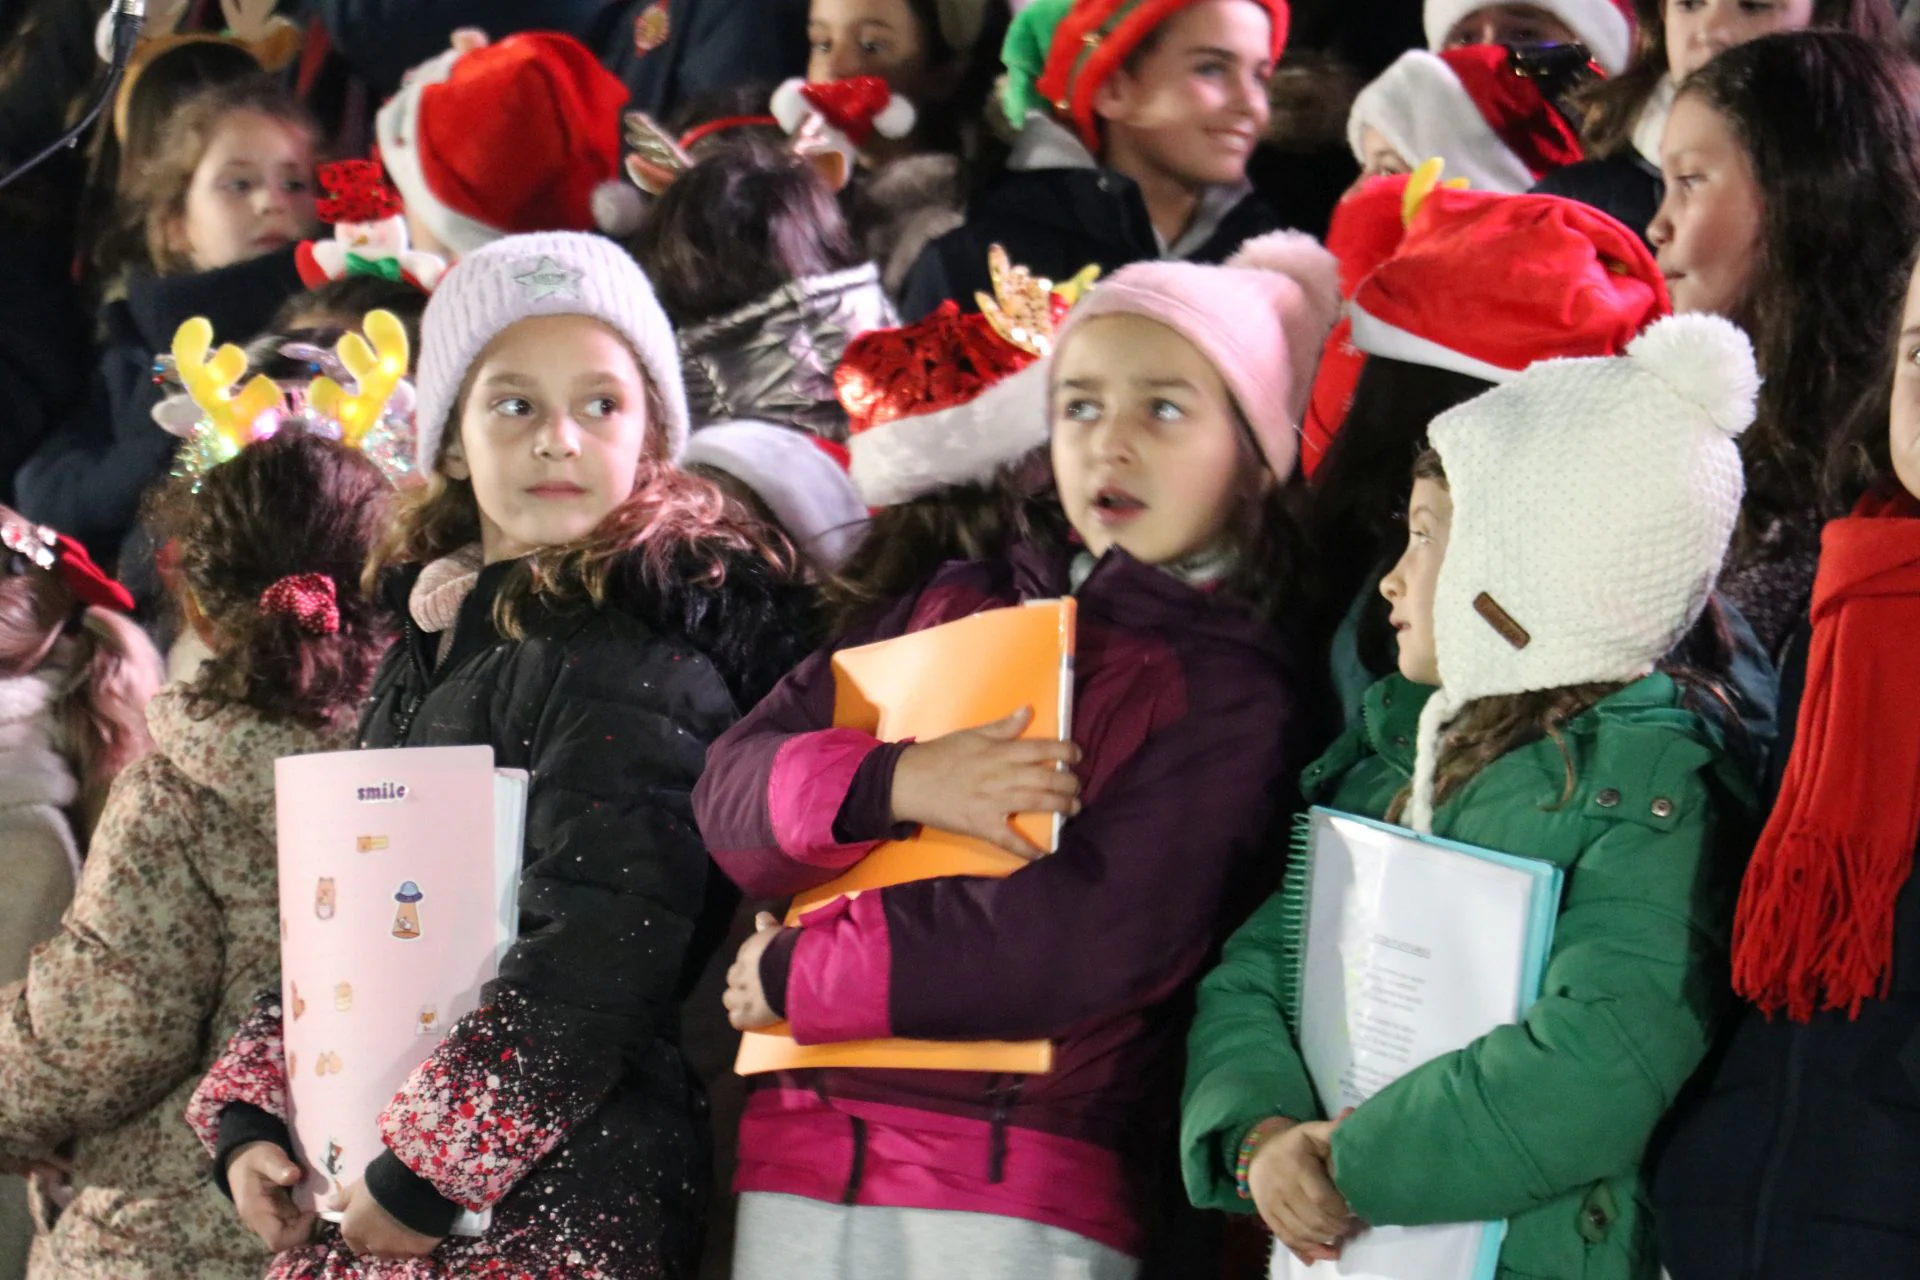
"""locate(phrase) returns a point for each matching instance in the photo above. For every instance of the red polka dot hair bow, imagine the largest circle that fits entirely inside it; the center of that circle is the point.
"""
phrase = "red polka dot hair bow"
(310, 599)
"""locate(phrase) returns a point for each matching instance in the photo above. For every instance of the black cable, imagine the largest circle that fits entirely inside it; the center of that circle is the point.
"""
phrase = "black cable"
(128, 17)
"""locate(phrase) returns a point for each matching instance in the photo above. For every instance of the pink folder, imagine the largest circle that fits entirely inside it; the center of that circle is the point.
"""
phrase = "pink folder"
(398, 872)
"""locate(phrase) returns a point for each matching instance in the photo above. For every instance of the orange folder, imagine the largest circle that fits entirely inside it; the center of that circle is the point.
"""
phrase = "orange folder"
(957, 676)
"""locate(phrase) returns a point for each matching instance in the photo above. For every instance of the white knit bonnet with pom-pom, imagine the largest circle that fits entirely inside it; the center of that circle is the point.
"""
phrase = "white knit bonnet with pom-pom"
(1260, 320)
(1593, 501)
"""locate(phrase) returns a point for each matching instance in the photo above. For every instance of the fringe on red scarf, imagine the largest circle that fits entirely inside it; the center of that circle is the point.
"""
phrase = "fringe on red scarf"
(1814, 928)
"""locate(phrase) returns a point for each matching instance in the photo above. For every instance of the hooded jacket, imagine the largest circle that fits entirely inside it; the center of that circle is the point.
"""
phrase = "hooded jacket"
(773, 359)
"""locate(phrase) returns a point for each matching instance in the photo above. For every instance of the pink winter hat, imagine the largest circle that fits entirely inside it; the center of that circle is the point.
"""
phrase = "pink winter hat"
(1260, 320)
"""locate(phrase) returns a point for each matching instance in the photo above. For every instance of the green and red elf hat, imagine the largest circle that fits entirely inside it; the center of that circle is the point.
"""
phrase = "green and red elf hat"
(1059, 52)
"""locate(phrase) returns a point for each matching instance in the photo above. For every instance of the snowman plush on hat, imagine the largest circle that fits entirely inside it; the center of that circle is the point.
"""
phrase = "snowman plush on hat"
(831, 122)
(369, 231)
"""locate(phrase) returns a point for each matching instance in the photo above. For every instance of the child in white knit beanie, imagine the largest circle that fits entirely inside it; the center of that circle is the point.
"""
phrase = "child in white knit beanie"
(1563, 533)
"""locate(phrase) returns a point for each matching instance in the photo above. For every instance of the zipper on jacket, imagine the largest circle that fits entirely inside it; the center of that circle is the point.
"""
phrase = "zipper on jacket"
(403, 723)
(1002, 1098)
(1774, 1164)
(859, 1168)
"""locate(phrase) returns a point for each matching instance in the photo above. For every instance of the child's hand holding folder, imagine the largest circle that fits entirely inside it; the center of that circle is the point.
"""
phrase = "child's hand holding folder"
(971, 782)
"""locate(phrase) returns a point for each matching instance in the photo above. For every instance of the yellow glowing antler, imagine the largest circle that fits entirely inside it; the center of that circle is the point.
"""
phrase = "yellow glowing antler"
(1422, 183)
(376, 371)
(209, 380)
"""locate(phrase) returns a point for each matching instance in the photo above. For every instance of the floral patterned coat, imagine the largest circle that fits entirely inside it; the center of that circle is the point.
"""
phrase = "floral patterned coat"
(172, 930)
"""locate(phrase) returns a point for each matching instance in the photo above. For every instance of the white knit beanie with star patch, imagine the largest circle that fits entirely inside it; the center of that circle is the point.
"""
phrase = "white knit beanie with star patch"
(555, 273)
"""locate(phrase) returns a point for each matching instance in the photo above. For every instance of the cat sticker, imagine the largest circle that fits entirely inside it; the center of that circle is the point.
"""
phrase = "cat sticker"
(328, 1064)
(325, 898)
(334, 1164)
(429, 1021)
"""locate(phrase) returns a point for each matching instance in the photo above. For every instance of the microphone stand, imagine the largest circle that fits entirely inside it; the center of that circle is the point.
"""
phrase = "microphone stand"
(128, 15)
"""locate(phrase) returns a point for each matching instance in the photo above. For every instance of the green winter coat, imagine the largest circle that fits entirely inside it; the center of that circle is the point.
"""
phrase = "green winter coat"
(1544, 1123)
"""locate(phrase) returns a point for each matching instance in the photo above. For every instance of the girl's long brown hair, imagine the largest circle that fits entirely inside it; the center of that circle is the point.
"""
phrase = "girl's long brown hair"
(1828, 122)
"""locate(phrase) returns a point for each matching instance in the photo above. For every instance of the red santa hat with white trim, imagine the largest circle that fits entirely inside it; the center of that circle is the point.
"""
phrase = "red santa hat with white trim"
(1606, 27)
(1580, 284)
(853, 110)
(505, 139)
(1470, 107)
(942, 402)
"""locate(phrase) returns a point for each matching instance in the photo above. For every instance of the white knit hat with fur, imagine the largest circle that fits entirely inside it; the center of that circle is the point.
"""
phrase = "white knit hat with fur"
(552, 273)
(1593, 501)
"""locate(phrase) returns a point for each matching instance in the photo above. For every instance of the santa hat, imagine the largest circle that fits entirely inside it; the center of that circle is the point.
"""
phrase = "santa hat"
(856, 109)
(797, 475)
(942, 402)
(1469, 106)
(356, 192)
(1059, 52)
(1593, 501)
(1570, 281)
(1260, 321)
(1368, 225)
(1606, 27)
(508, 138)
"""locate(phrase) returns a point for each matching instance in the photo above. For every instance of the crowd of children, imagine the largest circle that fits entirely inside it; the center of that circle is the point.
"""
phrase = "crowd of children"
(1565, 503)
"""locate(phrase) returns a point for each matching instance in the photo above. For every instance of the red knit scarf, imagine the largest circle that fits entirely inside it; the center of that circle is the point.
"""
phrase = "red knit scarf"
(1814, 929)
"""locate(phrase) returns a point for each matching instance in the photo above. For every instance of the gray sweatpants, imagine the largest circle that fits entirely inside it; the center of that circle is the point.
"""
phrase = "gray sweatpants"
(792, 1238)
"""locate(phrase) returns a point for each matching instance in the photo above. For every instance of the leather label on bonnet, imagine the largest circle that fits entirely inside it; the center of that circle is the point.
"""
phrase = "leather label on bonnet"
(1501, 621)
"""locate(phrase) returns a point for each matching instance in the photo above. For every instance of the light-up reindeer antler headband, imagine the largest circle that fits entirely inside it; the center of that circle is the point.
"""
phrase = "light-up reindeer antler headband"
(217, 420)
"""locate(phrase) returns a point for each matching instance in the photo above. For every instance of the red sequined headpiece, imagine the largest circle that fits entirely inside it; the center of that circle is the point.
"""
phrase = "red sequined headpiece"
(945, 360)
(357, 191)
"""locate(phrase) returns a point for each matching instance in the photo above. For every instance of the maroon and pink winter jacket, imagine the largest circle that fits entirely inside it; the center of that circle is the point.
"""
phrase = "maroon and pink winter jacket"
(1186, 712)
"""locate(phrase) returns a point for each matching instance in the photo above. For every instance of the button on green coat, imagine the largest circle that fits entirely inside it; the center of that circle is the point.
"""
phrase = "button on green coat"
(1544, 1123)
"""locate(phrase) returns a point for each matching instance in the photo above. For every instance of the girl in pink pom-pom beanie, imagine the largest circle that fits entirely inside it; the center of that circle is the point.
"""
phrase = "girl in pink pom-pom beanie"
(1174, 394)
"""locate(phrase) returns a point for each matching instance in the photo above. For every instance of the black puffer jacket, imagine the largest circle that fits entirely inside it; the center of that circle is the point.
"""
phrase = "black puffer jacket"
(1625, 186)
(565, 1096)
(1055, 211)
(1795, 1154)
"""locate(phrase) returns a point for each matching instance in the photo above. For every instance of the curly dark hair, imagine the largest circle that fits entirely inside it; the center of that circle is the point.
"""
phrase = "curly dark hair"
(1828, 122)
(292, 504)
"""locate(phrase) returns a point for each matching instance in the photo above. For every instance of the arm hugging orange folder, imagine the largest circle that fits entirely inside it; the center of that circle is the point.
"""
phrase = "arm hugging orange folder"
(958, 676)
